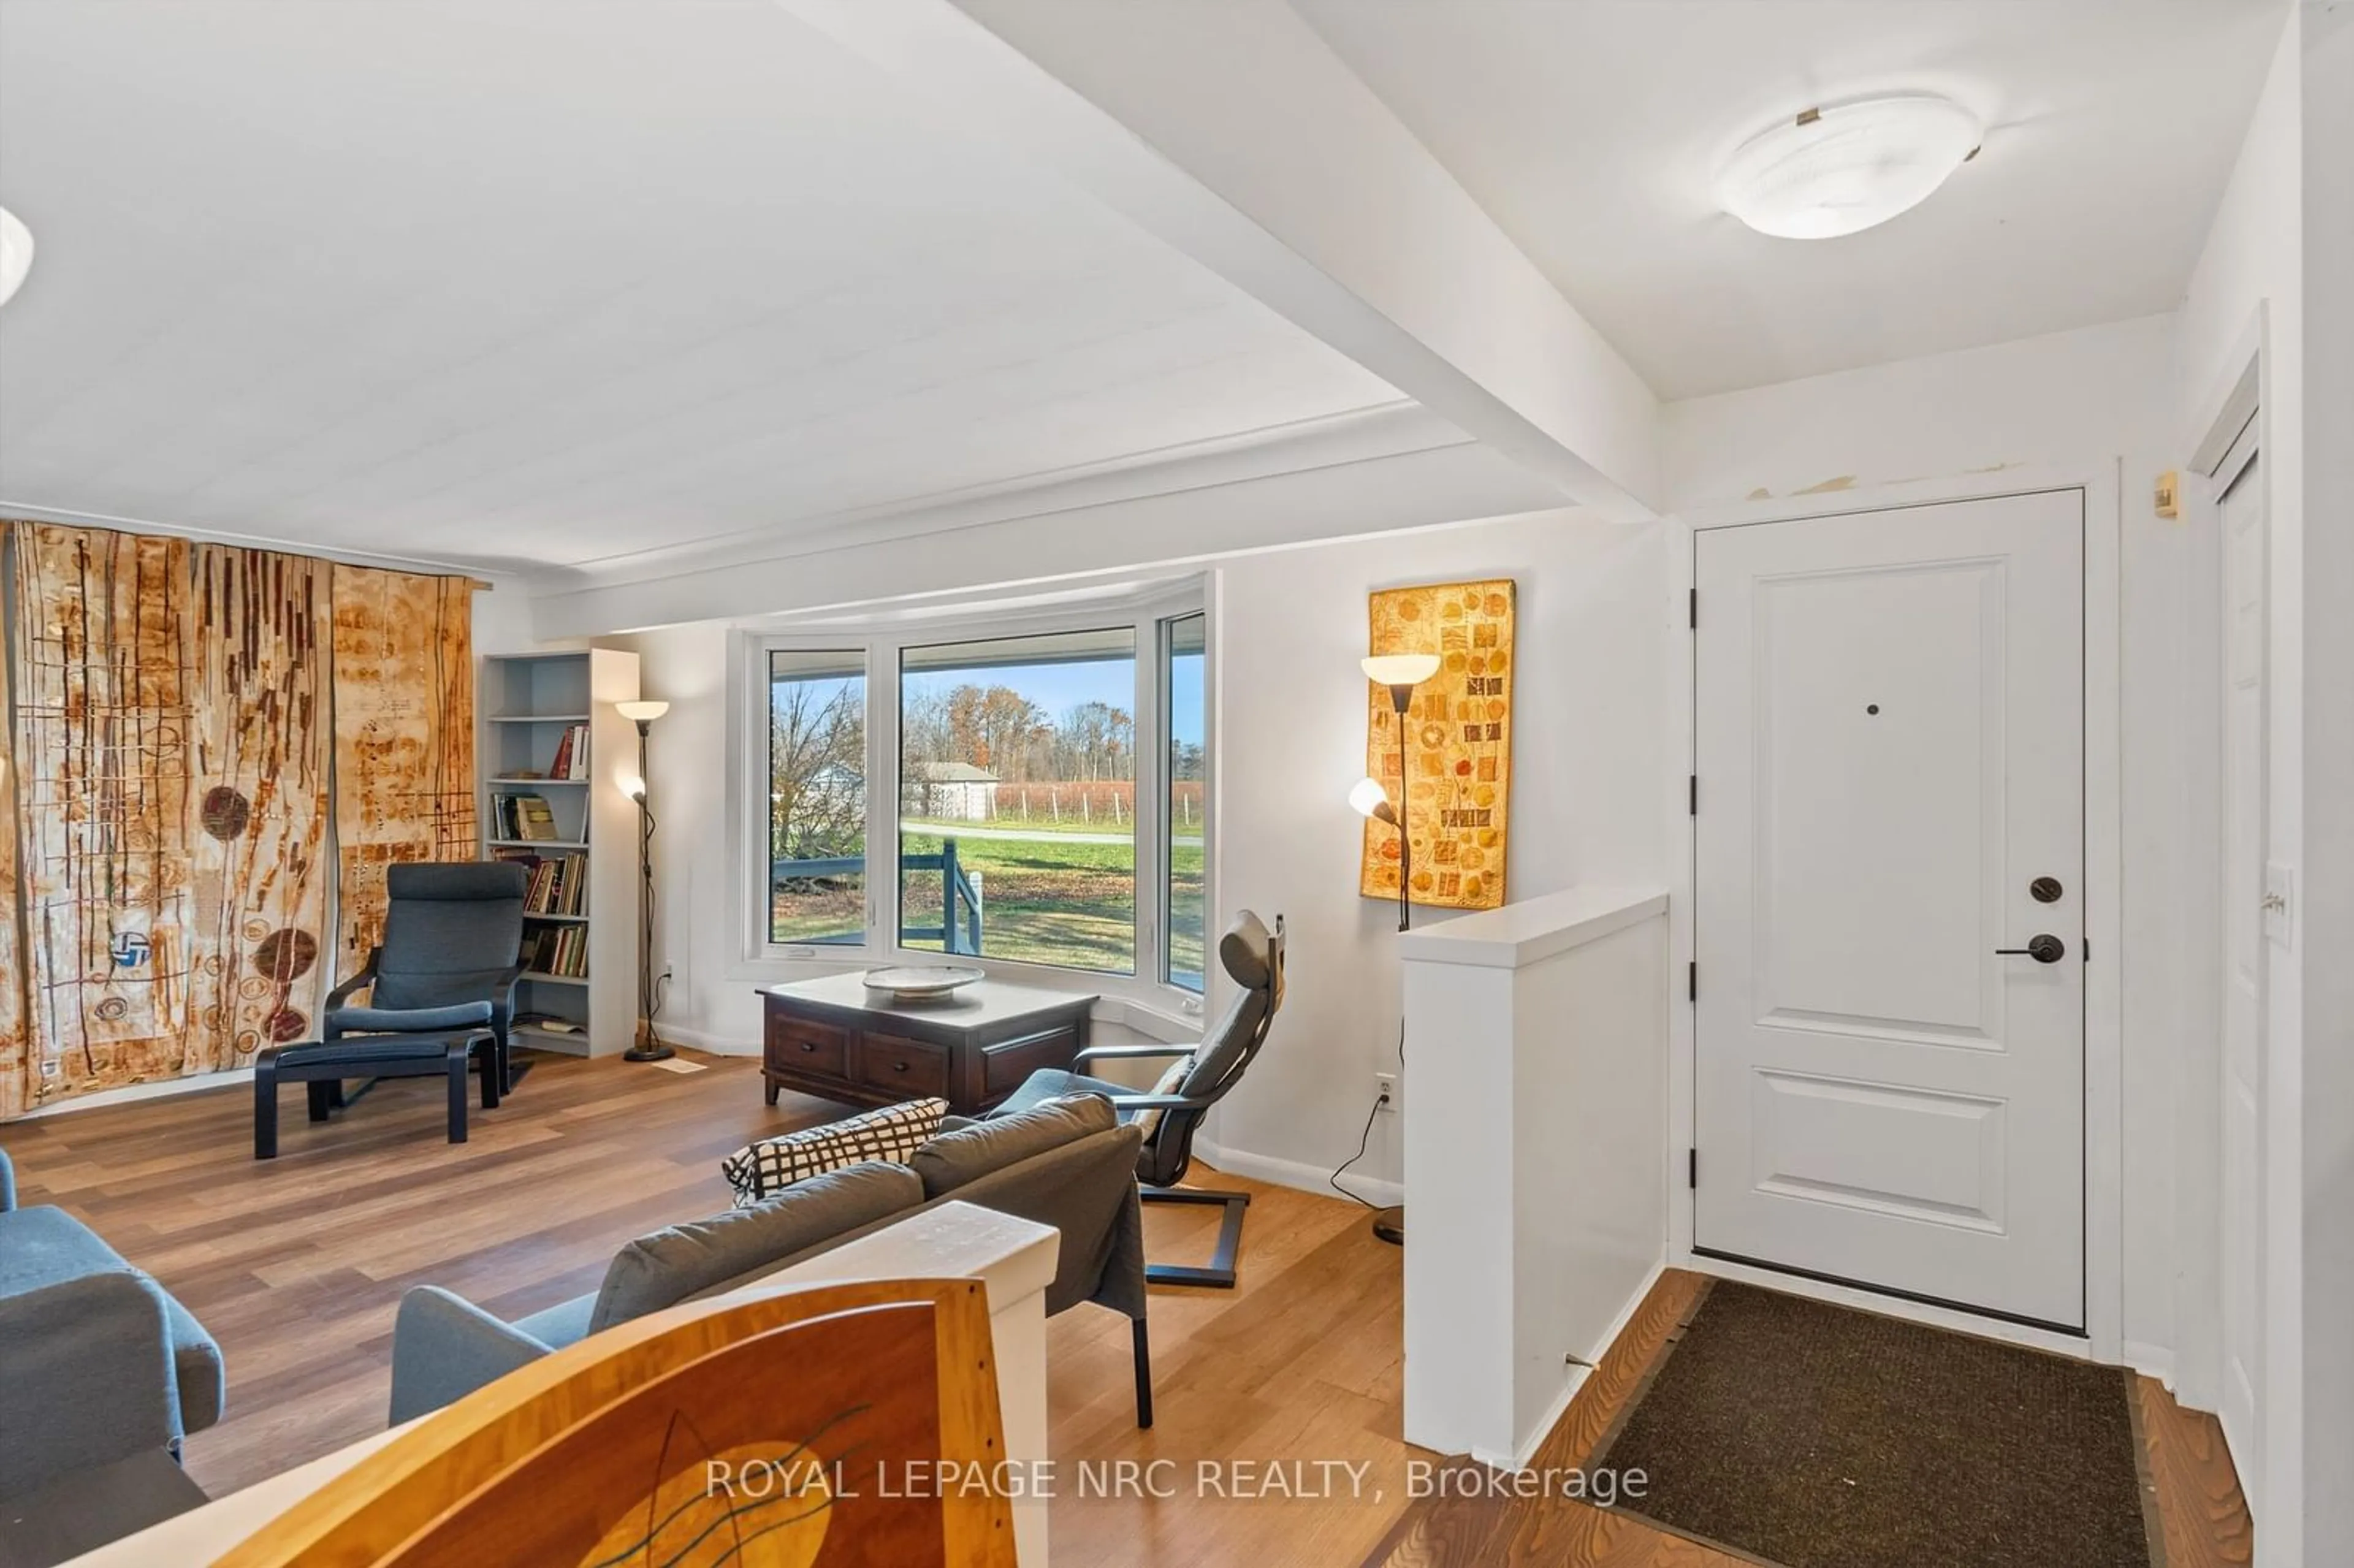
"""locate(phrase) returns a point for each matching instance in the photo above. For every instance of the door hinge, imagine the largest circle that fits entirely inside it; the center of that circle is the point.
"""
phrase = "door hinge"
(1696, 795)
(1695, 610)
(1692, 979)
(1692, 1170)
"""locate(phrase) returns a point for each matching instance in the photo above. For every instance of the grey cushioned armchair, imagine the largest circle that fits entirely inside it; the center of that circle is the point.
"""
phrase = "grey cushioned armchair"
(97, 1362)
(1253, 958)
(448, 960)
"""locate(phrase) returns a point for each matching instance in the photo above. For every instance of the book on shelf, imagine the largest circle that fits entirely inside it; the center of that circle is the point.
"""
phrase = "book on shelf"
(526, 816)
(571, 753)
(557, 885)
(561, 952)
(550, 1022)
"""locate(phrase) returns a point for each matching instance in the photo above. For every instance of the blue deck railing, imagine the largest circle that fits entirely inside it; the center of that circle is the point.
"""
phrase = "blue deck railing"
(960, 930)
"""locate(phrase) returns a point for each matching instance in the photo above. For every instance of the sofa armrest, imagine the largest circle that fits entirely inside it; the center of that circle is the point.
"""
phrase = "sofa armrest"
(85, 1377)
(444, 1347)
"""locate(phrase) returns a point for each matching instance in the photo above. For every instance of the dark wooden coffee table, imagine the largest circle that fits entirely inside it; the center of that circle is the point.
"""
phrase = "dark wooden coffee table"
(835, 1039)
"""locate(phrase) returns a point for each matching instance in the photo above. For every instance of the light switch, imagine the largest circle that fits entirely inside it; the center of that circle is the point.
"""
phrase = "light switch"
(2280, 902)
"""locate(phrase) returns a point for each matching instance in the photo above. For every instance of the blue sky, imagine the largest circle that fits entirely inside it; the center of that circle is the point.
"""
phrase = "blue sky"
(1057, 688)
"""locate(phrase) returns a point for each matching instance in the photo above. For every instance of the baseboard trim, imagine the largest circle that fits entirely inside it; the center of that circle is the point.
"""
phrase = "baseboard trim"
(712, 1044)
(2151, 1361)
(1291, 1173)
(1534, 1439)
(196, 1083)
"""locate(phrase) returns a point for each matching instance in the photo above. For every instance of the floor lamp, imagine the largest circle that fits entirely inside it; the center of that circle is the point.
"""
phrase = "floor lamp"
(1401, 673)
(648, 1047)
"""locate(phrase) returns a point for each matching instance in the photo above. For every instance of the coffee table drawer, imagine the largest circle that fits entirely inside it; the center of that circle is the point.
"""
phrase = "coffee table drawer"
(910, 1068)
(805, 1045)
(1007, 1066)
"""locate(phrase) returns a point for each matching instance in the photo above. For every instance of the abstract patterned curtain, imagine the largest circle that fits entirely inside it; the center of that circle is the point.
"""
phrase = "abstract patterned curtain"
(13, 1042)
(168, 875)
(102, 683)
(404, 736)
(261, 870)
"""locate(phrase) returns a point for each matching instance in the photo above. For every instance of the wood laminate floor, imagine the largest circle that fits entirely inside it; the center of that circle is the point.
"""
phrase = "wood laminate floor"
(1279, 1401)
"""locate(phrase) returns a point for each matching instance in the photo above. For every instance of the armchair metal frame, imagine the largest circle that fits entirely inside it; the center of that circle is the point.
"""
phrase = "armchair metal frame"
(1181, 1114)
(1219, 1273)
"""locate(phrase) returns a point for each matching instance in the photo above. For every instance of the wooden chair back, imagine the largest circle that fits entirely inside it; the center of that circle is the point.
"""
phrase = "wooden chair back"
(847, 1424)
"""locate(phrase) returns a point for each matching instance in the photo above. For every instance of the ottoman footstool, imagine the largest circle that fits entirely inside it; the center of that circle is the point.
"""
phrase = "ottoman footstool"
(323, 1066)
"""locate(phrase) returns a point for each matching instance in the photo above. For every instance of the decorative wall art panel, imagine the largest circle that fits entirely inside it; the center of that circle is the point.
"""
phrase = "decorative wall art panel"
(167, 889)
(1459, 740)
(263, 752)
(403, 674)
(103, 683)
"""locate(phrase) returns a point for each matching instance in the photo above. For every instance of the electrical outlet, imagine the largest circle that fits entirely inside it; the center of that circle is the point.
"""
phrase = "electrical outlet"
(1385, 1085)
(665, 974)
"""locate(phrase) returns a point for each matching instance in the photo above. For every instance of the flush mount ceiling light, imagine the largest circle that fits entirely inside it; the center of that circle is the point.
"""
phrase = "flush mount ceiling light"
(16, 253)
(1843, 168)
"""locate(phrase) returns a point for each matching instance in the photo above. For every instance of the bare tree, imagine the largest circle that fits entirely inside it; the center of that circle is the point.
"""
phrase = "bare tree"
(817, 761)
(1096, 741)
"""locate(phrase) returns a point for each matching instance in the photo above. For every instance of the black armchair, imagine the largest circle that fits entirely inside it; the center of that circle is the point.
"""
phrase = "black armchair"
(1170, 1113)
(452, 936)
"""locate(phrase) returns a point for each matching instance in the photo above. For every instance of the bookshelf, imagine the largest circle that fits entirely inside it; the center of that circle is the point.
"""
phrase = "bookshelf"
(543, 712)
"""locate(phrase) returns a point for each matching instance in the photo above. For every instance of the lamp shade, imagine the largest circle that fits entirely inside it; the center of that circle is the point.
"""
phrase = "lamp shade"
(1370, 800)
(641, 711)
(1400, 668)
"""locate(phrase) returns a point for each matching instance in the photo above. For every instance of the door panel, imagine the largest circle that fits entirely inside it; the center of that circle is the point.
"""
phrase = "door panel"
(1890, 750)
(1829, 951)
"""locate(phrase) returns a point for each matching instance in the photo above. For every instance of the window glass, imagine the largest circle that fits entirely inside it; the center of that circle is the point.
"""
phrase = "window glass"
(1185, 687)
(817, 797)
(1017, 799)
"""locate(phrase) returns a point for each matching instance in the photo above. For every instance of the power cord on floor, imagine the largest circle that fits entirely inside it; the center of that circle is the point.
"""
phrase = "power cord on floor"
(1366, 1137)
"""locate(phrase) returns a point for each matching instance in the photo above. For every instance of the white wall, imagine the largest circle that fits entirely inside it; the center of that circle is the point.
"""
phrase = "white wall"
(2326, 1372)
(1585, 801)
(2252, 263)
(1291, 737)
(2099, 396)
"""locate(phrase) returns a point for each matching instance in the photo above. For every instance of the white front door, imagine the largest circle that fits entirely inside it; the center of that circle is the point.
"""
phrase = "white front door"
(2241, 1216)
(1889, 792)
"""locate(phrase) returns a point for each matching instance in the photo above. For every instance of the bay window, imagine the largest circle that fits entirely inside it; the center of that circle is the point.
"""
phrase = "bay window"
(1023, 791)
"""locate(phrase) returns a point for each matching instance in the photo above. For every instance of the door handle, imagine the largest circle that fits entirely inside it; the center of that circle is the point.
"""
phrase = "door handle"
(2043, 949)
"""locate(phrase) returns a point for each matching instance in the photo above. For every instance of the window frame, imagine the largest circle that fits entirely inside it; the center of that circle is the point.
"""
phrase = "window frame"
(1150, 614)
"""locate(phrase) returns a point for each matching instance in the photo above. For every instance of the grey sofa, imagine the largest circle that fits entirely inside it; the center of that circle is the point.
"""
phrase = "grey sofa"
(97, 1362)
(1069, 1164)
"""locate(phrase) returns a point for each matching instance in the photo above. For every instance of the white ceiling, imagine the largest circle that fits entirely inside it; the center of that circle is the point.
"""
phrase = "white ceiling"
(545, 281)
(1591, 131)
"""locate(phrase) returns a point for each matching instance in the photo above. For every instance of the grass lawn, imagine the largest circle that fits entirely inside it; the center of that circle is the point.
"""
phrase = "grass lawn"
(1050, 902)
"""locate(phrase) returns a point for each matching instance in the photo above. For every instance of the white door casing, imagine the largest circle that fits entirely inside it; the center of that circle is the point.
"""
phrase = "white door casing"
(1889, 744)
(2241, 1211)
